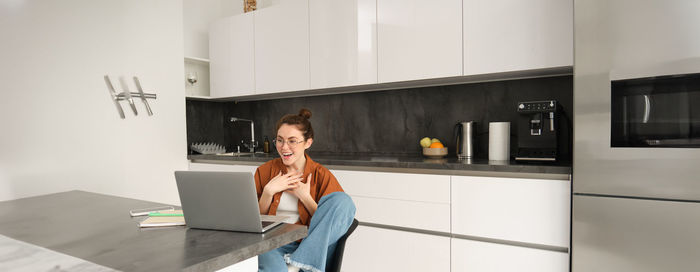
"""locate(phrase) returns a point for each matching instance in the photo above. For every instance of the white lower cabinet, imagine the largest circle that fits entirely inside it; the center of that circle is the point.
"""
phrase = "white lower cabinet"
(468, 255)
(398, 210)
(403, 213)
(533, 211)
(377, 249)
(399, 199)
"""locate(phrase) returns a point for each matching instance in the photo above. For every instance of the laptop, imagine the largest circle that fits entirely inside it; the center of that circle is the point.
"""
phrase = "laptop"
(222, 201)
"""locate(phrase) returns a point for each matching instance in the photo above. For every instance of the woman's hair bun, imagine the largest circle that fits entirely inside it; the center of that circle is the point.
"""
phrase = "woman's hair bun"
(306, 113)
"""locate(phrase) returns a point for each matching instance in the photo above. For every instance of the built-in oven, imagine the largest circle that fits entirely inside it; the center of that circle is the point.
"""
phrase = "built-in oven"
(661, 111)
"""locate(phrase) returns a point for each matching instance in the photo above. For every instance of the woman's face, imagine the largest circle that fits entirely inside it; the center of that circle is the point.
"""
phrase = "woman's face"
(290, 144)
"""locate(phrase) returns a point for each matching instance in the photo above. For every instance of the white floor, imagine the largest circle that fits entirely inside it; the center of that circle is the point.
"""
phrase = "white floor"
(19, 256)
(248, 265)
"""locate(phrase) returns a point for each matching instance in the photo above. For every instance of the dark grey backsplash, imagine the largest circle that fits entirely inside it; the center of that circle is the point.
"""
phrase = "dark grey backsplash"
(386, 122)
(205, 122)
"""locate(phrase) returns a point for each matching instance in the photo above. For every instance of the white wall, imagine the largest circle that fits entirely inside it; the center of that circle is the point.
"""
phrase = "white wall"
(59, 130)
(198, 14)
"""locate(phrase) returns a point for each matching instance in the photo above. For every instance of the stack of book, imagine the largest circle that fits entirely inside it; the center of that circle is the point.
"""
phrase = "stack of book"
(163, 219)
(159, 217)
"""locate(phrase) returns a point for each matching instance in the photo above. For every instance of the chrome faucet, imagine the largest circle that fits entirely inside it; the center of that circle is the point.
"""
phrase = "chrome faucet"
(252, 131)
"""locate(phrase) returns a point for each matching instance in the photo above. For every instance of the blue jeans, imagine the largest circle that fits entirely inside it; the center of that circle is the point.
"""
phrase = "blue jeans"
(331, 220)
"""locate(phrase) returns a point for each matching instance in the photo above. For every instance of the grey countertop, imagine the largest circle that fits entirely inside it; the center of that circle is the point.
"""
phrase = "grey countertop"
(98, 229)
(409, 164)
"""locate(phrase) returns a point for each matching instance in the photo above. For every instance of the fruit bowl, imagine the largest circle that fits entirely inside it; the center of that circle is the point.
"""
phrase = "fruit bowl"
(434, 152)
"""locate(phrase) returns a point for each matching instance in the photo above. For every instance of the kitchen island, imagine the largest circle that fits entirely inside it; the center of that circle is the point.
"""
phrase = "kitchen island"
(98, 229)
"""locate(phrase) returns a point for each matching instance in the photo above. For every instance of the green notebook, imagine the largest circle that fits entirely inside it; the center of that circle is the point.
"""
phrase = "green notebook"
(164, 219)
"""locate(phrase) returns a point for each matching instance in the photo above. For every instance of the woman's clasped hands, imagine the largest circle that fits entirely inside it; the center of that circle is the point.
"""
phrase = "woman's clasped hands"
(290, 182)
(283, 182)
(303, 190)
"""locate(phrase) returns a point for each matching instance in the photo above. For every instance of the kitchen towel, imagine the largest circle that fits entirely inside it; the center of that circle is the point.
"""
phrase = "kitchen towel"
(499, 141)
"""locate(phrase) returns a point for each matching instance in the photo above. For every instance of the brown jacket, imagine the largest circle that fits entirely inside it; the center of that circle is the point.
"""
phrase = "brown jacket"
(322, 183)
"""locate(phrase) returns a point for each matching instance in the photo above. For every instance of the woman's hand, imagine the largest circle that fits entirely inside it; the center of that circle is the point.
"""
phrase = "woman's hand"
(280, 183)
(303, 193)
(303, 190)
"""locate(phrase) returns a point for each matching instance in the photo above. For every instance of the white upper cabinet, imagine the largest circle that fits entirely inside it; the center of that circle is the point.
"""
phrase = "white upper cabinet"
(295, 45)
(219, 55)
(282, 47)
(510, 35)
(343, 41)
(232, 56)
(419, 39)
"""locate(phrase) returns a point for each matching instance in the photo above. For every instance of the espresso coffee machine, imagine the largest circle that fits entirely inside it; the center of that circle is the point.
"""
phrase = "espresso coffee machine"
(538, 131)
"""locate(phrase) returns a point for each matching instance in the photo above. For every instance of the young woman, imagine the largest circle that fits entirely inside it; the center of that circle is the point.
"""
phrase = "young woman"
(296, 186)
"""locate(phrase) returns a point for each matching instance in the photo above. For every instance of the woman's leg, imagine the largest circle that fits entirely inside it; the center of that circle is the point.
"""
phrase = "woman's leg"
(331, 220)
(273, 260)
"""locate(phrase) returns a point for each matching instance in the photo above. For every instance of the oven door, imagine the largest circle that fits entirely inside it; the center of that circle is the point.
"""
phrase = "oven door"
(636, 140)
(656, 112)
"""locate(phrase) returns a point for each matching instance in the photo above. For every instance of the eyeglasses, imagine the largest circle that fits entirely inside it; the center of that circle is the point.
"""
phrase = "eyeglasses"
(292, 142)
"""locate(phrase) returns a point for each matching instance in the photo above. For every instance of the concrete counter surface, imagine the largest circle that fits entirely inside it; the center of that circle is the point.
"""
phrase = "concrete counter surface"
(409, 164)
(99, 229)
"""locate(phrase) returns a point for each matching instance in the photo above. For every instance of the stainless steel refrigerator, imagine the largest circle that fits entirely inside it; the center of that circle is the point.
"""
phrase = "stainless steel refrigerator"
(636, 175)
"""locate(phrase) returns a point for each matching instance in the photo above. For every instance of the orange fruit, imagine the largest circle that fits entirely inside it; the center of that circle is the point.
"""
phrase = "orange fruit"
(436, 145)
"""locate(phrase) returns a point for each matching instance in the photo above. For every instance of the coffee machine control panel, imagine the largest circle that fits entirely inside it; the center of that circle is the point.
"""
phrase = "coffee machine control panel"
(537, 130)
(537, 106)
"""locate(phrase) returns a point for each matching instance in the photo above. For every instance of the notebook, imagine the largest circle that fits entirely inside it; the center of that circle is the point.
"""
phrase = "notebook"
(222, 201)
(163, 221)
(146, 211)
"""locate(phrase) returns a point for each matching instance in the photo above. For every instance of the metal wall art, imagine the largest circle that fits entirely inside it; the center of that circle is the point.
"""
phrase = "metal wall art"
(129, 96)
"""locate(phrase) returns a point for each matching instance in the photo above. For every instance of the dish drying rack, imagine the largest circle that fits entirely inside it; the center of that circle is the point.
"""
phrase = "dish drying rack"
(208, 148)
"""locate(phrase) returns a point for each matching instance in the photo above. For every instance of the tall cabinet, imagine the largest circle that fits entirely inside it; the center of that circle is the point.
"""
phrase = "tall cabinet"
(343, 41)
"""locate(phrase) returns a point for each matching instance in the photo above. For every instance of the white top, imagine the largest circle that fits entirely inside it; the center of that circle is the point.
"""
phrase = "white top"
(289, 206)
